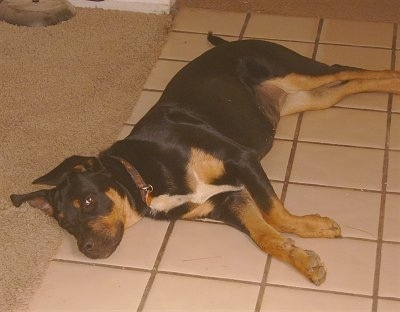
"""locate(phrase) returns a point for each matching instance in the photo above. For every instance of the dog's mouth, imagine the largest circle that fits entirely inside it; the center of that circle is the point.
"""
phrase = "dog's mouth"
(100, 245)
(95, 248)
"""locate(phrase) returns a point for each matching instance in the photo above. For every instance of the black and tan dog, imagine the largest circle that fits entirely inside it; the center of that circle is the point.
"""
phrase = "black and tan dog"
(197, 152)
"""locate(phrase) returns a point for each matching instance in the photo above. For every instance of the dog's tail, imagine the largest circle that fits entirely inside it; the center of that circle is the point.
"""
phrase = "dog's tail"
(215, 40)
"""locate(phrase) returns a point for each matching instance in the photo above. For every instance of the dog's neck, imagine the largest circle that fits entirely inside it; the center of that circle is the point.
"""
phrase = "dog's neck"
(144, 188)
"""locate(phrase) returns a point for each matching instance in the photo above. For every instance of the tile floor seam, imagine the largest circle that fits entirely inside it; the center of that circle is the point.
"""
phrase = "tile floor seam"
(335, 144)
(244, 26)
(209, 277)
(385, 172)
(154, 270)
(104, 265)
(325, 291)
(355, 46)
(263, 284)
(338, 144)
(329, 186)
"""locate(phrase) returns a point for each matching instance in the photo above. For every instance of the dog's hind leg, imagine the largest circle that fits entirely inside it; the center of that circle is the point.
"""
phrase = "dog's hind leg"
(302, 93)
(239, 209)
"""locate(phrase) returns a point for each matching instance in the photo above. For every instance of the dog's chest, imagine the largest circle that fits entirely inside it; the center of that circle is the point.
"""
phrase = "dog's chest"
(200, 195)
(201, 171)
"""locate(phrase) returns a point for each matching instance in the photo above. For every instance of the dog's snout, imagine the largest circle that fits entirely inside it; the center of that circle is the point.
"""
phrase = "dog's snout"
(88, 245)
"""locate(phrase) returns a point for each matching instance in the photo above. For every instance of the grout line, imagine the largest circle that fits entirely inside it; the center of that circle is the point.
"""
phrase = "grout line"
(332, 144)
(213, 278)
(325, 291)
(355, 46)
(385, 172)
(102, 265)
(332, 186)
(244, 26)
(154, 271)
(263, 285)
(317, 39)
(189, 32)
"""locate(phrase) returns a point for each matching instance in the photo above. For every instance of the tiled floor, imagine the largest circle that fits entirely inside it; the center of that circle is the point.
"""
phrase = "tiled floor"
(343, 162)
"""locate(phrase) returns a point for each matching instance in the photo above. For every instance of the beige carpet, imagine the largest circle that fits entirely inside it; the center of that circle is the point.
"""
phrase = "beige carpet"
(65, 89)
(358, 10)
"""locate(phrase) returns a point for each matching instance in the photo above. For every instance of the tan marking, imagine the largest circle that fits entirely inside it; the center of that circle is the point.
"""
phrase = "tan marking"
(202, 170)
(296, 82)
(199, 211)
(273, 243)
(304, 93)
(121, 212)
(304, 226)
(79, 168)
(76, 203)
(206, 167)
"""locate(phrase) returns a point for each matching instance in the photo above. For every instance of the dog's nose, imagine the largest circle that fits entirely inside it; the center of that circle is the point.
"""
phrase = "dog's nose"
(88, 245)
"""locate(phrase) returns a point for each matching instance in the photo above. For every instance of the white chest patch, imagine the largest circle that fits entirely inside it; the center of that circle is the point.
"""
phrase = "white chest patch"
(201, 194)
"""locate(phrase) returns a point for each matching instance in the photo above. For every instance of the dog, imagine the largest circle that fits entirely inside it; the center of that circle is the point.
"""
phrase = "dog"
(197, 152)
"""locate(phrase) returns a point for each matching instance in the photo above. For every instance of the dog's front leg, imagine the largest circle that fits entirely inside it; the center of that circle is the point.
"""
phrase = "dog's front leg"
(273, 211)
(238, 209)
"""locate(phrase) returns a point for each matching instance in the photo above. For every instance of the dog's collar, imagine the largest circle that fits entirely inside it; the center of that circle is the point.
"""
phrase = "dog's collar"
(144, 188)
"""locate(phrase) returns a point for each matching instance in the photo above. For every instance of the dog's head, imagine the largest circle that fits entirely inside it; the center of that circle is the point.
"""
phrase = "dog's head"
(86, 201)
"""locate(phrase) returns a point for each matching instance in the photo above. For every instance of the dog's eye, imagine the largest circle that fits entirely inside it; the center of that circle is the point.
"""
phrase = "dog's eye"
(89, 201)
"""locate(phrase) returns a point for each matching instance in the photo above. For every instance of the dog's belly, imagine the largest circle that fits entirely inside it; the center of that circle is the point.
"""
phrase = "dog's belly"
(202, 192)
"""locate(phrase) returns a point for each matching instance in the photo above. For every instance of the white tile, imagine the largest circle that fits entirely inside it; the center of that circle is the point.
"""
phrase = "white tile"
(138, 249)
(338, 166)
(287, 127)
(75, 287)
(356, 212)
(209, 249)
(146, 101)
(276, 162)
(389, 280)
(203, 21)
(350, 266)
(126, 130)
(367, 58)
(372, 101)
(395, 132)
(357, 33)
(282, 27)
(385, 305)
(393, 183)
(179, 293)
(299, 300)
(391, 228)
(186, 46)
(162, 73)
(396, 101)
(345, 126)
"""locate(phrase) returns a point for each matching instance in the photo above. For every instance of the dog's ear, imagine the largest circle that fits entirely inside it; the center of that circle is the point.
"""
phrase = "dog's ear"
(38, 199)
(73, 163)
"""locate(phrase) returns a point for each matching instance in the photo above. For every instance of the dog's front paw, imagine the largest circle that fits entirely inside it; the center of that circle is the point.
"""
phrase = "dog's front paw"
(330, 228)
(316, 270)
